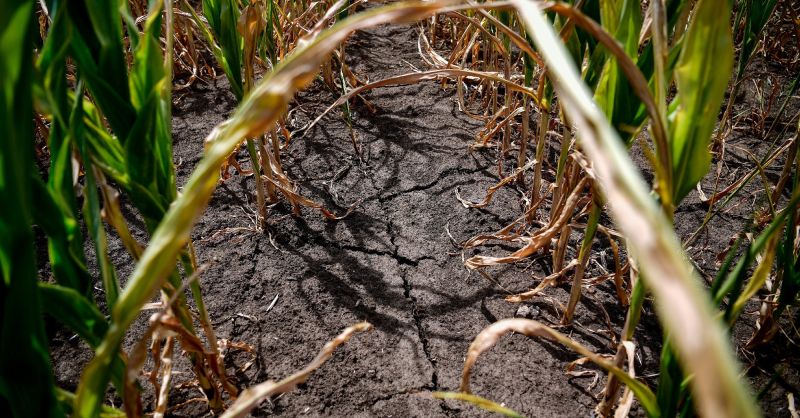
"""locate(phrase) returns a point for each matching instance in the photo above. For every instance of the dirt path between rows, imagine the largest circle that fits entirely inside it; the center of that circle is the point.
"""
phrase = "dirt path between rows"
(391, 262)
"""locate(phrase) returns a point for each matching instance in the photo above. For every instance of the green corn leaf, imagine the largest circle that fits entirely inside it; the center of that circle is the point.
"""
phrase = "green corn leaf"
(668, 393)
(75, 311)
(787, 260)
(701, 76)
(267, 46)
(591, 8)
(139, 152)
(646, 63)
(80, 315)
(67, 400)
(68, 266)
(26, 380)
(50, 88)
(105, 152)
(166, 179)
(151, 83)
(739, 297)
(733, 281)
(60, 180)
(790, 286)
(207, 33)
(756, 14)
(613, 93)
(149, 146)
(97, 48)
(102, 146)
(91, 208)
(725, 268)
(575, 47)
(673, 394)
(94, 223)
(56, 206)
(223, 17)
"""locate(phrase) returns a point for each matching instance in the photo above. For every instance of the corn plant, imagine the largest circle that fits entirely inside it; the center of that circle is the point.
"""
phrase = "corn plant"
(721, 395)
(681, 134)
(24, 354)
(135, 154)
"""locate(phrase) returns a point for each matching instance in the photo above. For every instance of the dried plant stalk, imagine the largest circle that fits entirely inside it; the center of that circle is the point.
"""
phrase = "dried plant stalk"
(251, 397)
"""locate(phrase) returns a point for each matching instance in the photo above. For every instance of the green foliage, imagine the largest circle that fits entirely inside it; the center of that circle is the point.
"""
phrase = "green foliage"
(223, 18)
(135, 151)
(701, 77)
(613, 93)
(26, 380)
(755, 14)
(94, 31)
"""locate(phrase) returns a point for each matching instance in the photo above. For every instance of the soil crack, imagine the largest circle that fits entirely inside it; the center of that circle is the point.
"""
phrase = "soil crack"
(257, 252)
(423, 338)
(415, 314)
(394, 254)
(422, 187)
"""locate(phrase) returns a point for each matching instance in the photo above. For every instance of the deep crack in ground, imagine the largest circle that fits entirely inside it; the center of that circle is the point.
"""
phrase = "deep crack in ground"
(407, 289)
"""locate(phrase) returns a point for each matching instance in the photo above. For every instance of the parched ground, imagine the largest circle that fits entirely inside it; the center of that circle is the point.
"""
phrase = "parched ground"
(391, 262)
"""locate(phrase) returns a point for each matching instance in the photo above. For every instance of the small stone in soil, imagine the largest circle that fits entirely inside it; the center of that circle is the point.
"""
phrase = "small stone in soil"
(526, 311)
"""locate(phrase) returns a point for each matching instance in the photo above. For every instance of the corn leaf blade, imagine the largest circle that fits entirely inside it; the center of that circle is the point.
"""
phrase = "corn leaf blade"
(701, 76)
